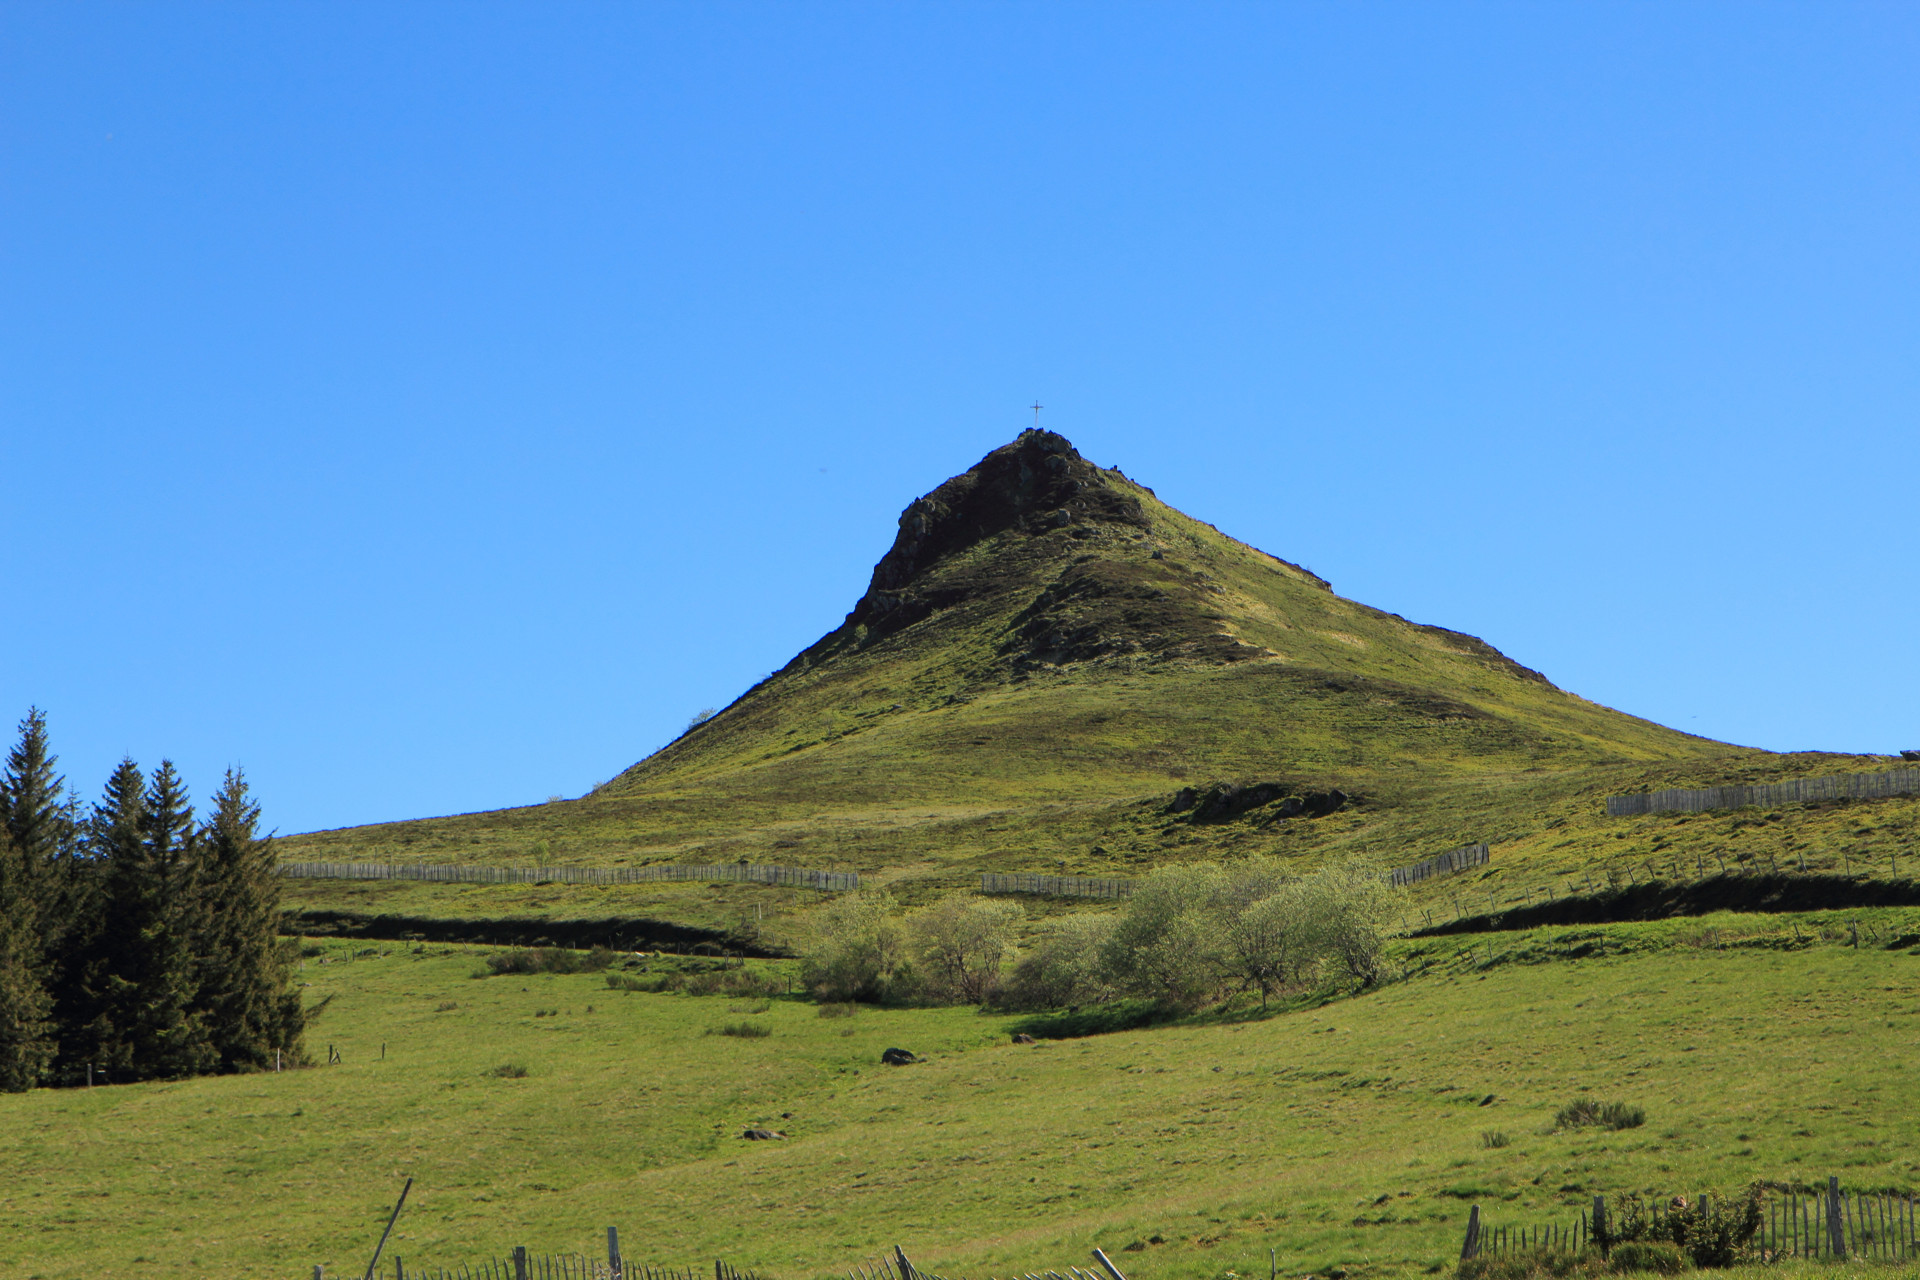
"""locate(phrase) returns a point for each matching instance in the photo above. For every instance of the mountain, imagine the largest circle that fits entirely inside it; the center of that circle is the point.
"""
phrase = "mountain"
(1052, 669)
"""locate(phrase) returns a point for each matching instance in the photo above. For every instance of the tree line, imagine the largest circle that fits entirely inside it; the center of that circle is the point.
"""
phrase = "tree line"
(1189, 935)
(136, 942)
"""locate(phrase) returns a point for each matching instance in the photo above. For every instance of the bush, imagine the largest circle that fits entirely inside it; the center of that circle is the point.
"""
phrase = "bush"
(1062, 966)
(856, 948)
(1710, 1232)
(508, 1071)
(1656, 1256)
(548, 960)
(1493, 1138)
(745, 1030)
(1585, 1112)
(960, 943)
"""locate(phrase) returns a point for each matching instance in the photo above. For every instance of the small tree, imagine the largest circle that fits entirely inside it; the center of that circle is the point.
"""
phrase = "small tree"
(245, 974)
(1165, 946)
(1062, 965)
(857, 945)
(961, 943)
(1349, 907)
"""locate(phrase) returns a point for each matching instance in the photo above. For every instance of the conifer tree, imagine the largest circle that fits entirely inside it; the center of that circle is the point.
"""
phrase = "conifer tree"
(252, 1010)
(26, 1029)
(35, 837)
(149, 1024)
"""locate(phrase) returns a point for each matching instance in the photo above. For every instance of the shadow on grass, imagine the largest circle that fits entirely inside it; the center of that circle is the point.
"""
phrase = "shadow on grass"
(1662, 900)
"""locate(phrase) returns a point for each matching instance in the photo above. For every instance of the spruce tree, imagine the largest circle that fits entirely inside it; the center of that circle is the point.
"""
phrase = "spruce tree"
(149, 1024)
(26, 1029)
(35, 838)
(251, 1008)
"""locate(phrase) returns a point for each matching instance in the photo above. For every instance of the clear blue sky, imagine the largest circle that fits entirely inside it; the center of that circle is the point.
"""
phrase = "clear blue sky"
(431, 406)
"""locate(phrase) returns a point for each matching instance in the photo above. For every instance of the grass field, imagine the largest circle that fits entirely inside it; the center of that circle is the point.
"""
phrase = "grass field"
(1345, 1134)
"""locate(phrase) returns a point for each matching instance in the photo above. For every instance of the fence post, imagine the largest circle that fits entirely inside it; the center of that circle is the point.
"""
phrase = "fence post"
(1599, 1228)
(519, 1262)
(1471, 1247)
(1836, 1222)
(906, 1268)
(613, 1252)
(1114, 1271)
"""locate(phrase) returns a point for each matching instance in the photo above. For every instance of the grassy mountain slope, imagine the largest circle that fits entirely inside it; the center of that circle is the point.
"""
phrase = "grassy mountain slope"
(1046, 656)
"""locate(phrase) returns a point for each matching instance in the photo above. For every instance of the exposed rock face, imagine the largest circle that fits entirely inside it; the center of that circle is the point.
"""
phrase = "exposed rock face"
(1037, 484)
(898, 1057)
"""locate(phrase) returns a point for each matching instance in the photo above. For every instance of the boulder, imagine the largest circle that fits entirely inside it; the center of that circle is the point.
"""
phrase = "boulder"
(898, 1057)
(1021, 1037)
(761, 1135)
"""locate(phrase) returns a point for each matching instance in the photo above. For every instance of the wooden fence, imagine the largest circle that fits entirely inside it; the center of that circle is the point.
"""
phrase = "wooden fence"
(1832, 1224)
(1441, 864)
(1844, 786)
(1057, 886)
(449, 873)
(521, 1265)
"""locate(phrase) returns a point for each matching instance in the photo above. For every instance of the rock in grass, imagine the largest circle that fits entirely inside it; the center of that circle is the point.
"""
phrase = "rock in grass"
(761, 1135)
(1021, 1037)
(898, 1057)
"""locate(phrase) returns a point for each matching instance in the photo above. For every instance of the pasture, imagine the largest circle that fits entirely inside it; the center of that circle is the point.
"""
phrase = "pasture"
(1351, 1133)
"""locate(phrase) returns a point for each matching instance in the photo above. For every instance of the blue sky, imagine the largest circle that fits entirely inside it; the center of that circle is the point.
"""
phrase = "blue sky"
(431, 406)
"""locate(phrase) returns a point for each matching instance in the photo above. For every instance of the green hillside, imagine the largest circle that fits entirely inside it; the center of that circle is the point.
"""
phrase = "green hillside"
(1047, 655)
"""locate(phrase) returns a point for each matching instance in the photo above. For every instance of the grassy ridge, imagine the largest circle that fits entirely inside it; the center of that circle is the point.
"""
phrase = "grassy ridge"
(1345, 1134)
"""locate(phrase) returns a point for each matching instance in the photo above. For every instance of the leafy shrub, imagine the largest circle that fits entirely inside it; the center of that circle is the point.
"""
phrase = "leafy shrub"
(1656, 1256)
(960, 943)
(1584, 1112)
(547, 960)
(1063, 965)
(1493, 1138)
(856, 948)
(508, 1071)
(1709, 1232)
(745, 1030)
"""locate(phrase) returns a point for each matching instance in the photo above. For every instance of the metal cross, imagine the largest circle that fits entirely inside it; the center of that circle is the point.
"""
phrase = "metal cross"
(1035, 406)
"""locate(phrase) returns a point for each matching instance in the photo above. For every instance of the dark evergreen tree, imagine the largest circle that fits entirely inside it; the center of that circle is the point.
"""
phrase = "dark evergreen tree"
(149, 1023)
(246, 975)
(26, 1027)
(35, 837)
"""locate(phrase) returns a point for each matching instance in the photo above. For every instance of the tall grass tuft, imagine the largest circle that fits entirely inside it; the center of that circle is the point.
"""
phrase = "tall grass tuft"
(1585, 1112)
(508, 1071)
(745, 1030)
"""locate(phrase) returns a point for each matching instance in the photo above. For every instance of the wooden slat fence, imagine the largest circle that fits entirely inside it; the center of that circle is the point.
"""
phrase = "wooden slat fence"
(448, 873)
(1844, 786)
(1441, 864)
(1832, 1224)
(522, 1265)
(1056, 886)
(1464, 858)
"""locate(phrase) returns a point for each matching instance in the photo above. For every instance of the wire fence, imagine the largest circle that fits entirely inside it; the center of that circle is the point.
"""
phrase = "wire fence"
(450, 873)
(1056, 886)
(1844, 786)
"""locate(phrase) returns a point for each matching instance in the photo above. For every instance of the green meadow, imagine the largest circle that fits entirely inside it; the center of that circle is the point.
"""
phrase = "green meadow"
(1347, 1132)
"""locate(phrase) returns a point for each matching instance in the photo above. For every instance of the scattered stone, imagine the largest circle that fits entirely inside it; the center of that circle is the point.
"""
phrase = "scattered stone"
(1135, 1247)
(761, 1135)
(1910, 755)
(1021, 1037)
(898, 1057)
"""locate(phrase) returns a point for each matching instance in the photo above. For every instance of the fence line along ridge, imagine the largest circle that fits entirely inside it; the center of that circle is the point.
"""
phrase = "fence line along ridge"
(1842, 786)
(1441, 864)
(448, 873)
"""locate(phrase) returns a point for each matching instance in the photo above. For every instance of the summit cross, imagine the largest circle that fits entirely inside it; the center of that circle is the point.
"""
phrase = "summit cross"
(1035, 406)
